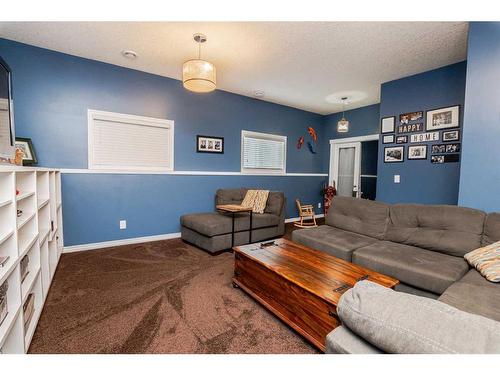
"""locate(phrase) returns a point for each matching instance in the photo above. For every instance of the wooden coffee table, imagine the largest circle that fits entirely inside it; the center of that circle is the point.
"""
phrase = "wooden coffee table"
(300, 285)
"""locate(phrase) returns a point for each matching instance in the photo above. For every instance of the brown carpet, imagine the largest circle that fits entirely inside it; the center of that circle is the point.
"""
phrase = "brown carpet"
(158, 297)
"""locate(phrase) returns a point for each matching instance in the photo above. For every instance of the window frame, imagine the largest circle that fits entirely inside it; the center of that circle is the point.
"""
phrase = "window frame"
(128, 119)
(265, 136)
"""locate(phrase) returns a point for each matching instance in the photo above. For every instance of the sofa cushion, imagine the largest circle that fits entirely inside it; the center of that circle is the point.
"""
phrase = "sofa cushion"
(491, 229)
(424, 269)
(275, 203)
(405, 324)
(448, 229)
(360, 216)
(343, 341)
(474, 294)
(230, 196)
(331, 240)
(213, 224)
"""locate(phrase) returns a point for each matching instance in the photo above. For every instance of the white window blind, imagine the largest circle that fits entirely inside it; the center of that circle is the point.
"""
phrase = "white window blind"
(118, 141)
(262, 152)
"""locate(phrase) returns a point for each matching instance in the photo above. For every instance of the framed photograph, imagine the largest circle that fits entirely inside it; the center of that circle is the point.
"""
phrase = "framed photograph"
(424, 137)
(451, 136)
(438, 149)
(26, 146)
(443, 118)
(213, 145)
(388, 139)
(402, 139)
(388, 124)
(440, 159)
(405, 118)
(394, 154)
(417, 152)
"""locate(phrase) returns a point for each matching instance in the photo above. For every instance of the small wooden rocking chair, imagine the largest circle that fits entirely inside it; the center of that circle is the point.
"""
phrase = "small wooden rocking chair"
(306, 212)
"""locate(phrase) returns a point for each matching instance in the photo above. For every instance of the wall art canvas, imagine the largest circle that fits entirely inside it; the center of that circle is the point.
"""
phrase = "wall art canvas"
(443, 118)
(394, 154)
(451, 136)
(411, 128)
(424, 137)
(388, 124)
(417, 152)
(213, 145)
(449, 148)
(441, 159)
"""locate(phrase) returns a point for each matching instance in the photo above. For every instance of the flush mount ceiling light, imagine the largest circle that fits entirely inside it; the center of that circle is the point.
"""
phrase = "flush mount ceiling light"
(259, 93)
(199, 75)
(343, 124)
(131, 55)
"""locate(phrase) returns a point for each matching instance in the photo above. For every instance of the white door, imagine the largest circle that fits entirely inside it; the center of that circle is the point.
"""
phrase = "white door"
(345, 168)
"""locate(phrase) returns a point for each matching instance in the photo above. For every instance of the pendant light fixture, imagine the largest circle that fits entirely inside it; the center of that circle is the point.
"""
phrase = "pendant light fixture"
(343, 124)
(199, 75)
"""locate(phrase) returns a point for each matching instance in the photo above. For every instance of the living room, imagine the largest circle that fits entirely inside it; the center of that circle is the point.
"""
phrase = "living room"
(278, 187)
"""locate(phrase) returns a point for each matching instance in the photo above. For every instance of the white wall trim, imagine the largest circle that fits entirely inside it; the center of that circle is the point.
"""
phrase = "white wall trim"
(363, 138)
(127, 241)
(135, 240)
(185, 173)
(293, 219)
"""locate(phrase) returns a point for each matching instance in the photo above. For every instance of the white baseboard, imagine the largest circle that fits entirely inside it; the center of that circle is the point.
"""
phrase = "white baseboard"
(127, 241)
(131, 241)
(293, 219)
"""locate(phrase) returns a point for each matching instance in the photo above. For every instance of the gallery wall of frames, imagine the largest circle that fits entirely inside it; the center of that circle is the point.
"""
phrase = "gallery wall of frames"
(408, 136)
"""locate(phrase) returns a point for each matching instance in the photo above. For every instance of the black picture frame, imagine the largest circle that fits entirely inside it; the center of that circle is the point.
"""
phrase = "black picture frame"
(400, 148)
(27, 144)
(457, 131)
(424, 157)
(393, 125)
(387, 138)
(209, 148)
(400, 139)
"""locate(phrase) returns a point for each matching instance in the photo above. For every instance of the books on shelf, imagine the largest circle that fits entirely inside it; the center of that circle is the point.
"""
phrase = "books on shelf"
(3, 301)
(28, 310)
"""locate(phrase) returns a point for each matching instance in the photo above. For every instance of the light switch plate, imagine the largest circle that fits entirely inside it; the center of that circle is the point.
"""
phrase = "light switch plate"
(397, 179)
(123, 224)
(319, 205)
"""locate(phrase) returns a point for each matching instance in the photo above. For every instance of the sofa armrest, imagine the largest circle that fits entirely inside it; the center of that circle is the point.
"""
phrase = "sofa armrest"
(343, 341)
(403, 323)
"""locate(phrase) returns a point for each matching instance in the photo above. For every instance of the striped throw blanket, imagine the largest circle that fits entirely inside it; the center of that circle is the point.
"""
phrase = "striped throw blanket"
(487, 261)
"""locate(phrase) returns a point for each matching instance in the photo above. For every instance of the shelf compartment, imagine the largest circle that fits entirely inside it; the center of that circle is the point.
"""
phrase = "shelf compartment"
(21, 221)
(14, 339)
(13, 303)
(38, 303)
(7, 187)
(53, 258)
(42, 202)
(20, 197)
(25, 242)
(5, 203)
(8, 256)
(6, 236)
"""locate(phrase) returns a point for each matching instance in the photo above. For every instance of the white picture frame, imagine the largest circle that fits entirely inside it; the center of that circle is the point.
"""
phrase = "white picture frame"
(388, 139)
(443, 118)
(394, 154)
(424, 137)
(417, 152)
(388, 125)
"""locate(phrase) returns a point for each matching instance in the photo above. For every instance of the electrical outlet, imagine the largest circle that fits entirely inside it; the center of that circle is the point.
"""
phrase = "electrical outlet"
(123, 224)
(319, 205)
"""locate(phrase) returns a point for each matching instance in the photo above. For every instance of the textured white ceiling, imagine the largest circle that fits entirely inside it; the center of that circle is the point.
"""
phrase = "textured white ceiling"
(298, 64)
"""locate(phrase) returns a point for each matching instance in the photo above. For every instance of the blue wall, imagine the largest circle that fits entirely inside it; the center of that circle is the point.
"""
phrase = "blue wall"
(421, 181)
(52, 92)
(480, 172)
(362, 121)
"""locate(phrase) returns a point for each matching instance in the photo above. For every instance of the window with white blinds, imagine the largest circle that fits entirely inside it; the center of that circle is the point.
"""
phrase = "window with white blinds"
(263, 153)
(119, 141)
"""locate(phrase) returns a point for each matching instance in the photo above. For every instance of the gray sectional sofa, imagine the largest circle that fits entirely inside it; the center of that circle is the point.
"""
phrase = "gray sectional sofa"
(211, 231)
(421, 245)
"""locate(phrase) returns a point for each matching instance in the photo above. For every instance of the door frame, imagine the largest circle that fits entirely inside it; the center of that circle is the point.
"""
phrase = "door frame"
(334, 143)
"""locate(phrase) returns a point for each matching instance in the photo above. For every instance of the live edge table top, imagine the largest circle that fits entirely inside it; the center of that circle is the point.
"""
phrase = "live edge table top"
(319, 273)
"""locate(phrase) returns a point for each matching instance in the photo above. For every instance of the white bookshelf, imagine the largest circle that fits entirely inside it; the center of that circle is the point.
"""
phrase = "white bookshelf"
(36, 233)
